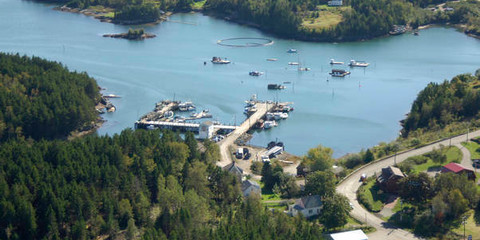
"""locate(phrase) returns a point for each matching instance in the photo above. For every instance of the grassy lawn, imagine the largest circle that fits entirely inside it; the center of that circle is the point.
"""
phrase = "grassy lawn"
(370, 197)
(277, 206)
(268, 196)
(325, 19)
(472, 147)
(198, 5)
(471, 228)
(453, 155)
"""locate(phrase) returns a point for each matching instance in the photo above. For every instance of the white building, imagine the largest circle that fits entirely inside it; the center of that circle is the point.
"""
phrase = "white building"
(206, 130)
(249, 187)
(335, 3)
(349, 235)
(308, 206)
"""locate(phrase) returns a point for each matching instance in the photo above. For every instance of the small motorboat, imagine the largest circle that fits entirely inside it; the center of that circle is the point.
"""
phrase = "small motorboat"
(255, 73)
(293, 63)
(219, 60)
(272, 59)
(333, 62)
(274, 86)
(292, 50)
(354, 63)
(339, 73)
(304, 69)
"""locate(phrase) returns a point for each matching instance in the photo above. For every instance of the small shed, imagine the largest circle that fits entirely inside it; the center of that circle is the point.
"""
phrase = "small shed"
(349, 235)
(206, 130)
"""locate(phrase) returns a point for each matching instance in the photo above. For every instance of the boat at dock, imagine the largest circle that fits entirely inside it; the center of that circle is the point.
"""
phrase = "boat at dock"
(186, 106)
(269, 124)
(292, 50)
(398, 29)
(255, 73)
(304, 69)
(333, 62)
(354, 63)
(202, 114)
(168, 114)
(272, 59)
(219, 60)
(274, 86)
(339, 73)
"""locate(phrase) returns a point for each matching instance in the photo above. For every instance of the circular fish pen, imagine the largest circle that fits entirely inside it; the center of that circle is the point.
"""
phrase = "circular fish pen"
(245, 42)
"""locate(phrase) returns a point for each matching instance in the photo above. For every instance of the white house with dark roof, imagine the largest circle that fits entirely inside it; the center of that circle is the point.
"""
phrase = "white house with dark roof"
(249, 187)
(308, 206)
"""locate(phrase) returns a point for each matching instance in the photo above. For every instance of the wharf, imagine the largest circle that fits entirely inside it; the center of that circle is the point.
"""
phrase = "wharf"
(179, 126)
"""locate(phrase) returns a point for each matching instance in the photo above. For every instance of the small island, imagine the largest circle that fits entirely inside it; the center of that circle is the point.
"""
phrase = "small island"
(132, 34)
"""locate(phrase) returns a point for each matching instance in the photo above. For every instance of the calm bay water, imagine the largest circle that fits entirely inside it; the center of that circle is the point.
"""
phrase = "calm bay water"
(347, 114)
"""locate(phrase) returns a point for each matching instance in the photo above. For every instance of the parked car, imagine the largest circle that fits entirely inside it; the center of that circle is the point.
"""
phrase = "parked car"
(271, 145)
(247, 156)
(476, 163)
(245, 151)
(363, 178)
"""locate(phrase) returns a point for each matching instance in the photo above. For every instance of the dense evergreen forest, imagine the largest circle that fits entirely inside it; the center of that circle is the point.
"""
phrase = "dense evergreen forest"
(42, 99)
(136, 184)
(440, 104)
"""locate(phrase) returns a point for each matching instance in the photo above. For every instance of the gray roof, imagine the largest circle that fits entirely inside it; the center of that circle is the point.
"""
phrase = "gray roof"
(308, 202)
(233, 168)
(247, 183)
(389, 172)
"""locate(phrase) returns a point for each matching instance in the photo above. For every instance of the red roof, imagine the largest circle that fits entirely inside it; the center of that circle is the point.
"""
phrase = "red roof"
(454, 167)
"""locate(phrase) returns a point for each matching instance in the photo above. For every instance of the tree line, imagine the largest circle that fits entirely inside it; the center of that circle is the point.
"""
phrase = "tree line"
(440, 104)
(136, 184)
(43, 99)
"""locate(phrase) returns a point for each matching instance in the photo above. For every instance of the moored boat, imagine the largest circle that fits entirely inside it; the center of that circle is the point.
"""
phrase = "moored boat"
(292, 50)
(354, 63)
(293, 63)
(333, 62)
(219, 60)
(272, 59)
(274, 86)
(339, 73)
(255, 73)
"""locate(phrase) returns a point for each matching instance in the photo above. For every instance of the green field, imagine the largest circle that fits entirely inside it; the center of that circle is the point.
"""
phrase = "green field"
(198, 5)
(471, 227)
(472, 147)
(323, 21)
(453, 155)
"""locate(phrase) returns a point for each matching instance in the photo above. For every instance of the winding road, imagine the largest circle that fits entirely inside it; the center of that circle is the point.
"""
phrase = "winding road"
(351, 183)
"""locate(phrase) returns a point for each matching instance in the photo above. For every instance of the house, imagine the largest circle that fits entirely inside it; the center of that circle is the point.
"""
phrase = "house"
(458, 169)
(206, 130)
(349, 235)
(249, 187)
(308, 206)
(335, 3)
(234, 169)
(388, 180)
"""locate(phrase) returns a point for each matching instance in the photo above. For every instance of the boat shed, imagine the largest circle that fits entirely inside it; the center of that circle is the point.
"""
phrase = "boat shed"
(349, 235)
(206, 130)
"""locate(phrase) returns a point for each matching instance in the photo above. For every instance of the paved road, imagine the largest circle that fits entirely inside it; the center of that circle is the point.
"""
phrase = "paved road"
(350, 185)
(466, 157)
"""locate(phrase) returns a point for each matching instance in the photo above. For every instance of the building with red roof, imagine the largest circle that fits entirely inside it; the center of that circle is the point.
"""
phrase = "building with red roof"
(458, 169)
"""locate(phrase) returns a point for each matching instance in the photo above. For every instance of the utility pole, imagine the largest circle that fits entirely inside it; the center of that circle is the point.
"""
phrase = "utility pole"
(395, 158)
(468, 131)
(464, 222)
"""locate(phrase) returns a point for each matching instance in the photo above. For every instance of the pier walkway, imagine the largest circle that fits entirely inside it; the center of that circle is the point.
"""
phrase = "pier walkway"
(262, 109)
(181, 126)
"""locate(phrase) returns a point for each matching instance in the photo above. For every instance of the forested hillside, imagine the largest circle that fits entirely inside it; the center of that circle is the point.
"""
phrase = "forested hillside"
(137, 184)
(440, 104)
(43, 99)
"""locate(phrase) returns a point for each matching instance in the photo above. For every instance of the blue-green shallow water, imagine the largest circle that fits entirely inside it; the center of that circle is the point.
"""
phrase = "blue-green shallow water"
(347, 114)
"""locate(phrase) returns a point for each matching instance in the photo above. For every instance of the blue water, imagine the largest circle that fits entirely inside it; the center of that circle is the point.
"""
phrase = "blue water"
(347, 114)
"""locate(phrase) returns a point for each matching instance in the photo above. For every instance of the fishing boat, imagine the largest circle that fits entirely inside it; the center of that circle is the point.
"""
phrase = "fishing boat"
(292, 50)
(274, 86)
(339, 73)
(219, 60)
(255, 73)
(293, 63)
(269, 124)
(186, 106)
(272, 59)
(333, 62)
(304, 69)
(354, 63)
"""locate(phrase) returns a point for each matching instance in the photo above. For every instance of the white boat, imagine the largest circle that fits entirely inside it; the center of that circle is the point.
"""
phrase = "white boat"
(293, 63)
(333, 62)
(292, 50)
(219, 60)
(354, 63)
(186, 106)
(272, 59)
(269, 124)
(269, 116)
(255, 73)
(304, 69)
(283, 115)
(168, 114)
